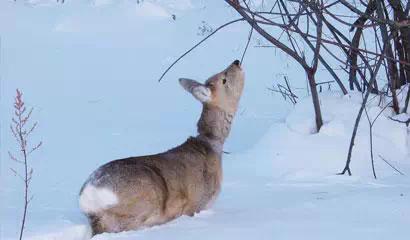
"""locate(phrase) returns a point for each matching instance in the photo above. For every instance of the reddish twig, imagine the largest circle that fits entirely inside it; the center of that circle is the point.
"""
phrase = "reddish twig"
(21, 133)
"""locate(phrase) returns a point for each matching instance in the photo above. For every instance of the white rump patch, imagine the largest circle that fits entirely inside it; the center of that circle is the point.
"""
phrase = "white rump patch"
(202, 93)
(93, 199)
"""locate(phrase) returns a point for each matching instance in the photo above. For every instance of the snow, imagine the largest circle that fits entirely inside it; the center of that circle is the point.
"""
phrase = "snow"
(148, 9)
(79, 232)
(90, 69)
(101, 3)
(324, 153)
(94, 199)
(42, 2)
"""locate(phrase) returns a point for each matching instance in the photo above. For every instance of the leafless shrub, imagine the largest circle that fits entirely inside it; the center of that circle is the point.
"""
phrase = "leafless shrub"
(21, 129)
(316, 33)
(285, 90)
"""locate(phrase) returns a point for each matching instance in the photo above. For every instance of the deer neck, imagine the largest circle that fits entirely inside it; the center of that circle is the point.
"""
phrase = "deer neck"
(214, 126)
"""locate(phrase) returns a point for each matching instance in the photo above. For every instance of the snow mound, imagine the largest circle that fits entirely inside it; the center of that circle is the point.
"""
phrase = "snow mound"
(293, 150)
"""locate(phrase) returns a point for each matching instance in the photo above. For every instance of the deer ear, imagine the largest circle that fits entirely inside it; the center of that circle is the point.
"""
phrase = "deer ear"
(201, 92)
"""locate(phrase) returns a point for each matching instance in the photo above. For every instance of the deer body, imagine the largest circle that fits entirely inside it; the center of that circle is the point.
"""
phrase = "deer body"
(143, 191)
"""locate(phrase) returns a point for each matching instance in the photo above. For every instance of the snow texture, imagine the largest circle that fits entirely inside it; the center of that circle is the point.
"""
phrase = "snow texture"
(100, 3)
(148, 9)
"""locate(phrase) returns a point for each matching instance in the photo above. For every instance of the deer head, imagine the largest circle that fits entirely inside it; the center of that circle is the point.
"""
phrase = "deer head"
(222, 90)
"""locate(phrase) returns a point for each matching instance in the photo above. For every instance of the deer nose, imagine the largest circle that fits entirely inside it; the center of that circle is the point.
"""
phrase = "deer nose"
(237, 62)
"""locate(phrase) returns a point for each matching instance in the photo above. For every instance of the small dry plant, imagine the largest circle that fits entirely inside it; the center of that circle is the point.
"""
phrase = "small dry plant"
(22, 128)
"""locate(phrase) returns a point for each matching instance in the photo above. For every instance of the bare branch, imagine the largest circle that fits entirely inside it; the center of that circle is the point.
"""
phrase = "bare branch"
(397, 170)
(35, 147)
(247, 44)
(196, 45)
(17, 174)
(407, 122)
(359, 115)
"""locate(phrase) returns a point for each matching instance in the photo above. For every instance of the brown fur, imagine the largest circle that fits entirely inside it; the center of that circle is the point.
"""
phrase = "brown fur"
(182, 181)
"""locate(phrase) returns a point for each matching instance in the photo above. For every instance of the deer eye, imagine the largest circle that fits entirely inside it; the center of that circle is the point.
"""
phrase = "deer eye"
(224, 80)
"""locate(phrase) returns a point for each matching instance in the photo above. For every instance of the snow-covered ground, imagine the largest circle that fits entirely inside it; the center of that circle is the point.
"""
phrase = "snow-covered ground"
(90, 69)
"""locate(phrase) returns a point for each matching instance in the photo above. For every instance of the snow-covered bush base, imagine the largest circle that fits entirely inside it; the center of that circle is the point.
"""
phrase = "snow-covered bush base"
(302, 152)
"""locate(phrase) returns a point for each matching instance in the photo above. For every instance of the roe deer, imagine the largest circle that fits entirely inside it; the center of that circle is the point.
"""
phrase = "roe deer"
(137, 192)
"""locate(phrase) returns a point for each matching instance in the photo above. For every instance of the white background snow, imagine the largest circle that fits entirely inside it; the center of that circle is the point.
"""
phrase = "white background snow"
(90, 70)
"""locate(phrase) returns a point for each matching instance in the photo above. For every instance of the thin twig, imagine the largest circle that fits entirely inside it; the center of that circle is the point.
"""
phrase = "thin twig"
(196, 45)
(247, 44)
(397, 170)
(407, 122)
(356, 126)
